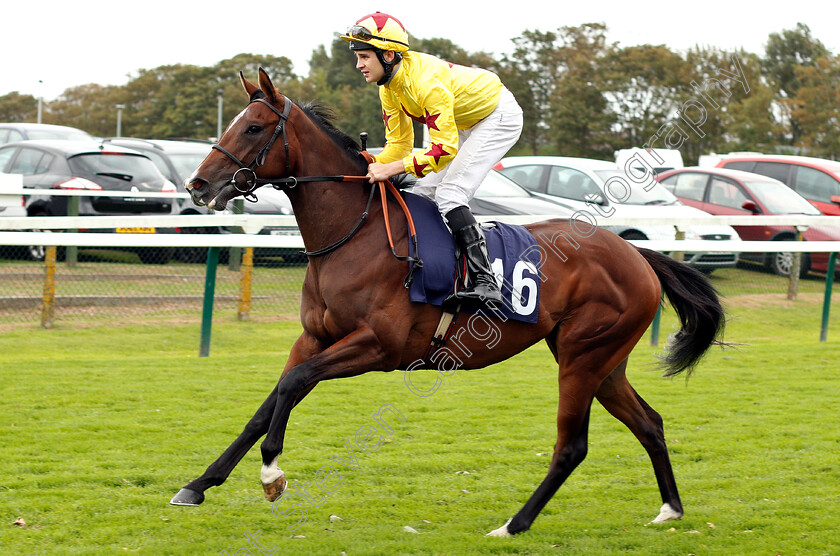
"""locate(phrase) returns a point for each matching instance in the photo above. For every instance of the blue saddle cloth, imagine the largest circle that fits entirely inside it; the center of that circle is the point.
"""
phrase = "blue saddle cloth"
(513, 255)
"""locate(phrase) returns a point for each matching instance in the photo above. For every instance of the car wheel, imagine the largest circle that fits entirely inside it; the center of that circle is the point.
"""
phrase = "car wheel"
(782, 263)
(38, 252)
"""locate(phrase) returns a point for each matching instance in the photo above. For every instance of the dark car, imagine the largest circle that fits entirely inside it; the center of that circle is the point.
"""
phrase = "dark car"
(175, 158)
(11, 132)
(92, 166)
(733, 192)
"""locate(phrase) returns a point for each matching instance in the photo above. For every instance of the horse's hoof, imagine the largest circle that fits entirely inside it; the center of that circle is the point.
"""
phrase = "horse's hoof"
(667, 513)
(187, 497)
(275, 489)
(501, 531)
(273, 480)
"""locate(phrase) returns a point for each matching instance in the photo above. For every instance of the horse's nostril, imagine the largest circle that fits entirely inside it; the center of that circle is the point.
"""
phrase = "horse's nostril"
(194, 183)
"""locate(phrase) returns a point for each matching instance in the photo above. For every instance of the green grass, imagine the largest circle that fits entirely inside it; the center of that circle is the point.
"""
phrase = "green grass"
(101, 426)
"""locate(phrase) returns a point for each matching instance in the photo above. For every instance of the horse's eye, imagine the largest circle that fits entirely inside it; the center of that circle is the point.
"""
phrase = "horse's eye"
(253, 130)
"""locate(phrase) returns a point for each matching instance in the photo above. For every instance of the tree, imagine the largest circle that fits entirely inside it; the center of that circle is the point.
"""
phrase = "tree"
(816, 106)
(532, 72)
(15, 107)
(580, 116)
(644, 85)
(784, 53)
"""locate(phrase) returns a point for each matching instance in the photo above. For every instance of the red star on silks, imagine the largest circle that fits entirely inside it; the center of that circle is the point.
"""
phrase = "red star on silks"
(436, 151)
(412, 116)
(385, 118)
(418, 168)
(431, 121)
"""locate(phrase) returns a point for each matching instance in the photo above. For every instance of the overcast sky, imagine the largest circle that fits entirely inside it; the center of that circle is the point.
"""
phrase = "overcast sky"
(64, 44)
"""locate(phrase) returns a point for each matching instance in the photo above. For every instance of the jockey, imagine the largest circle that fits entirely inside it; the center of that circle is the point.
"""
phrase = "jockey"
(473, 120)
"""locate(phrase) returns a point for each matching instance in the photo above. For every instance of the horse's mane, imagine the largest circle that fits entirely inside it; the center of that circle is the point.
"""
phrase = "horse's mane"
(324, 117)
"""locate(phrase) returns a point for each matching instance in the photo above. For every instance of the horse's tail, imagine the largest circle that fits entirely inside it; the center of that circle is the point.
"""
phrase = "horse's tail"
(697, 305)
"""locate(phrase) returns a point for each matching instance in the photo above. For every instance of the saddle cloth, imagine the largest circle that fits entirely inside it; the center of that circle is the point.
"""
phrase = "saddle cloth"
(513, 255)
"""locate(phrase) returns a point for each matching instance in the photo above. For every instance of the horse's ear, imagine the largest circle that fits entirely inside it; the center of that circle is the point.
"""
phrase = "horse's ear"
(250, 88)
(267, 87)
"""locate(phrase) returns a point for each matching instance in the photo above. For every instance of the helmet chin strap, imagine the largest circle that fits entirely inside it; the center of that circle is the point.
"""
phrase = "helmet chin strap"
(387, 66)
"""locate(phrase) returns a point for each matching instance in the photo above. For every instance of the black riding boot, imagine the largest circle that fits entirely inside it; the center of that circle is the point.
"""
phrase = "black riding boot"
(470, 240)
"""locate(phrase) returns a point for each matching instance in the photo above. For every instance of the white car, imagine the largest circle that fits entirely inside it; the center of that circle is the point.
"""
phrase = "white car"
(596, 185)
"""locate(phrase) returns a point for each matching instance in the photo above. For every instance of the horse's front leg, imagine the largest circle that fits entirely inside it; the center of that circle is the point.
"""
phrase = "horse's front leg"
(357, 353)
(305, 347)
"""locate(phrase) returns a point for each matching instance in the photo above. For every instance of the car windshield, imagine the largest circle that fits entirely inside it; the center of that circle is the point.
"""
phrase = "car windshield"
(186, 163)
(780, 199)
(67, 134)
(134, 168)
(656, 195)
(496, 185)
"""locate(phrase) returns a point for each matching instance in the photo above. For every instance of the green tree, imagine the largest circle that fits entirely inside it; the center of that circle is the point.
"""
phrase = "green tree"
(15, 107)
(645, 86)
(748, 121)
(531, 72)
(783, 54)
(816, 107)
(580, 117)
(721, 115)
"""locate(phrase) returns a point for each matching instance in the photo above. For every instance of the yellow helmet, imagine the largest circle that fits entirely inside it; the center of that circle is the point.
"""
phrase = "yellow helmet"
(377, 30)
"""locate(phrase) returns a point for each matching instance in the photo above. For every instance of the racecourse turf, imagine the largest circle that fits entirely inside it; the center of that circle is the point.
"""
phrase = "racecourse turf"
(100, 426)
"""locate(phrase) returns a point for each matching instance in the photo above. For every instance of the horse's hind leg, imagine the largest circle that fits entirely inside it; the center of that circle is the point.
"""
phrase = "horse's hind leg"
(576, 396)
(622, 401)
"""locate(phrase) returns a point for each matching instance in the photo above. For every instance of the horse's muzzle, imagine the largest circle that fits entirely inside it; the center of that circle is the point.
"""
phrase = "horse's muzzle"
(197, 189)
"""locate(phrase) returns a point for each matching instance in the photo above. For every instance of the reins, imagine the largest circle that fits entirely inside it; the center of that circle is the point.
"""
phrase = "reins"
(290, 182)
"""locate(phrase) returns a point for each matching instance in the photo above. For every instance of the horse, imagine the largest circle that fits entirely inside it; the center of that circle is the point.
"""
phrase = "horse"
(595, 302)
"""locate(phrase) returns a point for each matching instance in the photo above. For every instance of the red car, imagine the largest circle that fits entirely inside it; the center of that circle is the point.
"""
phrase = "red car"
(733, 192)
(816, 179)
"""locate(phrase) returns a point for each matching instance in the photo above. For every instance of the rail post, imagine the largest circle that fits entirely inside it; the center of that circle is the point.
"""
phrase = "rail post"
(48, 297)
(654, 327)
(244, 311)
(829, 283)
(796, 266)
(71, 254)
(209, 295)
(680, 236)
(235, 257)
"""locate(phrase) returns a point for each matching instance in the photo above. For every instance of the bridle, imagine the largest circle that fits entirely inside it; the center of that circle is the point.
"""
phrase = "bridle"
(250, 171)
(290, 182)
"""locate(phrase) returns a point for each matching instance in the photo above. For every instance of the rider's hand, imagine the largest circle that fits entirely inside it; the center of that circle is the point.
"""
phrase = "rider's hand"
(380, 172)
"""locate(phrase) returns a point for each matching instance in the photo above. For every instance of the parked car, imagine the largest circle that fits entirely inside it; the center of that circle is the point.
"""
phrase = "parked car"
(735, 192)
(89, 165)
(11, 132)
(582, 183)
(498, 194)
(816, 179)
(176, 159)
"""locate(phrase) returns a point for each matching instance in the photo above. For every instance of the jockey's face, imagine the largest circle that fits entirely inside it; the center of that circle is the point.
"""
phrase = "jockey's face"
(370, 66)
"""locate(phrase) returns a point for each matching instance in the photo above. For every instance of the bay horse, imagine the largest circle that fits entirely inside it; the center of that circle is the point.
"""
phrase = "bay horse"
(594, 306)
